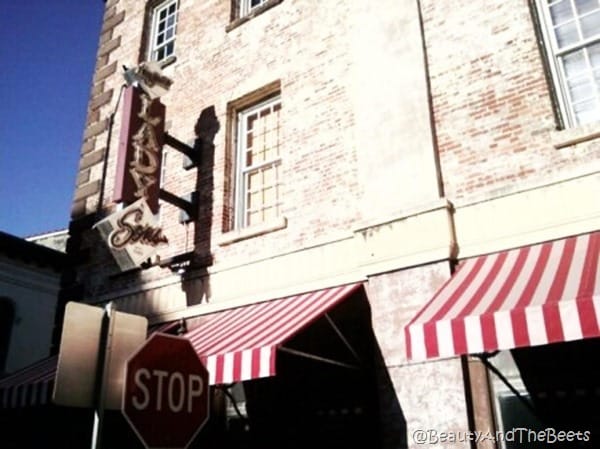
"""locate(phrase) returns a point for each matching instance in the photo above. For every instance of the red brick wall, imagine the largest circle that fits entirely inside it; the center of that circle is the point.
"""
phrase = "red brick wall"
(306, 50)
(492, 114)
(492, 107)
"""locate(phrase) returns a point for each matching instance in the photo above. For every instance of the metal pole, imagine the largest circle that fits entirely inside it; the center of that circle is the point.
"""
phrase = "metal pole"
(101, 371)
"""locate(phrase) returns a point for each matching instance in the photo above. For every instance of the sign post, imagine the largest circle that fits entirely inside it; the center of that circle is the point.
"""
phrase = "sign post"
(95, 345)
(166, 398)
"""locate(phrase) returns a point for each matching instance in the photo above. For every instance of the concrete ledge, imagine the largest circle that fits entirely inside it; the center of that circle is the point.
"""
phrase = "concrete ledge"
(548, 212)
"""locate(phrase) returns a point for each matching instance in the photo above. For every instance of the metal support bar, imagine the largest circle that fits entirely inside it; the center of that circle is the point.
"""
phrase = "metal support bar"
(190, 207)
(175, 260)
(317, 358)
(101, 373)
(528, 404)
(189, 151)
(342, 337)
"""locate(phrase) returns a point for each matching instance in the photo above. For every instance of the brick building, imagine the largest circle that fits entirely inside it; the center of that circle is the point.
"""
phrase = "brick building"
(383, 154)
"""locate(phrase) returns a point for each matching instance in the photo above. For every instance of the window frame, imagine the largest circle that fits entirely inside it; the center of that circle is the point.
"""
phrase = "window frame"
(242, 11)
(555, 57)
(246, 7)
(242, 170)
(153, 47)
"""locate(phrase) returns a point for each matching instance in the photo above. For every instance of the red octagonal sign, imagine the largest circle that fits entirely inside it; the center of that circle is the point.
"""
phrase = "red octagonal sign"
(166, 392)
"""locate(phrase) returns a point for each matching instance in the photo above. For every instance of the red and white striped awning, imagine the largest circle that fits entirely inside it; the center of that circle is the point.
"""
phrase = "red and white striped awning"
(240, 344)
(30, 386)
(528, 296)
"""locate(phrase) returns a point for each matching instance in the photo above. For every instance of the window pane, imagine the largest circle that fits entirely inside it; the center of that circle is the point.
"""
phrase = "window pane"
(253, 218)
(594, 54)
(566, 34)
(254, 200)
(269, 196)
(258, 153)
(574, 64)
(586, 112)
(270, 213)
(561, 11)
(581, 89)
(270, 175)
(590, 25)
(254, 181)
(584, 6)
(250, 121)
(271, 140)
(597, 80)
(259, 126)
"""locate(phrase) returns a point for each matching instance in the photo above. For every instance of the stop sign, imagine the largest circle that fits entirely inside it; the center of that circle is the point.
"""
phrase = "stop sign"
(166, 392)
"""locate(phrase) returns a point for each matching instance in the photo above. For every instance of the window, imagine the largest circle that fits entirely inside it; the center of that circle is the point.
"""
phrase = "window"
(246, 6)
(164, 27)
(258, 181)
(243, 11)
(571, 29)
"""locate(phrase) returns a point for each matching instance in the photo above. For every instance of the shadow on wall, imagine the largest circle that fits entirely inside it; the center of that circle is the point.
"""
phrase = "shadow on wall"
(392, 422)
(205, 130)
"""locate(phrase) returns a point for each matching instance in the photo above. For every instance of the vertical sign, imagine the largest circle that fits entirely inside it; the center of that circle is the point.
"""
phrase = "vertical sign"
(140, 146)
(77, 372)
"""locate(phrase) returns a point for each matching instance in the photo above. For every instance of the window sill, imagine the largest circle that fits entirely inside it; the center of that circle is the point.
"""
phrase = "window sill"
(165, 62)
(252, 231)
(573, 136)
(252, 14)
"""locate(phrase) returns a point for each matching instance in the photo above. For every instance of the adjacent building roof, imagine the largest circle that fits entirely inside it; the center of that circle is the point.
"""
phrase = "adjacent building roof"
(29, 252)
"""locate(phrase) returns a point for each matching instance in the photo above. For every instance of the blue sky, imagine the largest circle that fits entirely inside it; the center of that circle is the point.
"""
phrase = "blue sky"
(47, 56)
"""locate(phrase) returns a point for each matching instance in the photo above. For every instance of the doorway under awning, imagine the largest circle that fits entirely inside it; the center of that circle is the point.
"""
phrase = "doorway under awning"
(528, 296)
(242, 343)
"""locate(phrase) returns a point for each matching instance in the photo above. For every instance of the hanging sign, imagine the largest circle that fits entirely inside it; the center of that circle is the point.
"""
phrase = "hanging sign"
(132, 235)
(140, 147)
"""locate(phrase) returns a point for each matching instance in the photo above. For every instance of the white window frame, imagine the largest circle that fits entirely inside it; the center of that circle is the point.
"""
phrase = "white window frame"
(246, 6)
(168, 43)
(243, 171)
(556, 56)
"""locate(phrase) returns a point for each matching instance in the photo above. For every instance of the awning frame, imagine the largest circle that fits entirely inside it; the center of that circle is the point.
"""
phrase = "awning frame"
(242, 343)
(328, 360)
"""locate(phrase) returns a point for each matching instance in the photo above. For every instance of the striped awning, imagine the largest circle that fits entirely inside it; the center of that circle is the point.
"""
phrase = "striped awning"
(30, 386)
(528, 296)
(240, 344)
